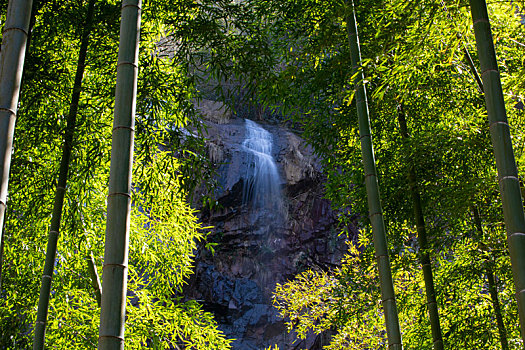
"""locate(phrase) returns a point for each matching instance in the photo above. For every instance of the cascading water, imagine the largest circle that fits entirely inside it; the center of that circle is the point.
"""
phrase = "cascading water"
(262, 185)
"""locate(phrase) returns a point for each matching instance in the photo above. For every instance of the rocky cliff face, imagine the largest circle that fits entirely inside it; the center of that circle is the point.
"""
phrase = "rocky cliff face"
(257, 248)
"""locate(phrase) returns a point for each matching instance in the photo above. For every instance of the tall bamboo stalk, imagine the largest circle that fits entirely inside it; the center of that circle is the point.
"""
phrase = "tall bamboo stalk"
(500, 134)
(114, 275)
(372, 189)
(424, 257)
(54, 230)
(493, 289)
(12, 56)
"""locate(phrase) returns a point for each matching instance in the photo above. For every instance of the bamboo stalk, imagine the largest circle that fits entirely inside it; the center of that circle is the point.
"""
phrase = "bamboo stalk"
(473, 69)
(52, 241)
(493, 289)
(372, 189)
(12, 56)
(114, 275)
(503, 151)
(93, 274)
(424, 257)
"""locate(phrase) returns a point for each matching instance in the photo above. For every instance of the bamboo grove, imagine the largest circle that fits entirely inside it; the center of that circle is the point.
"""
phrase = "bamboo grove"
(414, 145)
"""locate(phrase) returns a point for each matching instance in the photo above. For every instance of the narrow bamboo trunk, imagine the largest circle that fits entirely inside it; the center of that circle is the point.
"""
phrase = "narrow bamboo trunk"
(95, 281)
(52, 241)
(372, 188)
(114, 275)
(493, 289)
(473, 69)
(11, 66)
(502, 144)
(424, 257)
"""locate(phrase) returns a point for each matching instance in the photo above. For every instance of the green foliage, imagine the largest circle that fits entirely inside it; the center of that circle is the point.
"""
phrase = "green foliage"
(347, 300)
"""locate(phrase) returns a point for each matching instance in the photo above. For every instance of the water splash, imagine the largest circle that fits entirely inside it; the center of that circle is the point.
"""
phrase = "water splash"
(262, 189)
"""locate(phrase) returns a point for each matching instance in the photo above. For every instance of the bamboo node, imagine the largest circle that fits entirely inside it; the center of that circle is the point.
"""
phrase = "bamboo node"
(127, 63)
(111, 336)
(362, 137)
(119, 194)
(23, 30)
(40, 322)
(46, 276)
(520, 292)
(9, 110)
(509, 177)
(500, 123)
(120, 265)
(123, 127)
(481, 20)
(368, 175)
(374, 214)
(490, 70)
(518, 234)
(131, 5)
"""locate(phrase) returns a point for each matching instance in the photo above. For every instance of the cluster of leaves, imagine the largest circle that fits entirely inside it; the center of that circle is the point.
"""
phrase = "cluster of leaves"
(348, 299)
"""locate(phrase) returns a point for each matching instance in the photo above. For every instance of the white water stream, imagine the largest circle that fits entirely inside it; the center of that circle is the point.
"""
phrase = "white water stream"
(262, 189)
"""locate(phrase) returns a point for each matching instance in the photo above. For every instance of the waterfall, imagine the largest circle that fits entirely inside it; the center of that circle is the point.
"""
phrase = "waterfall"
(262, 183)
